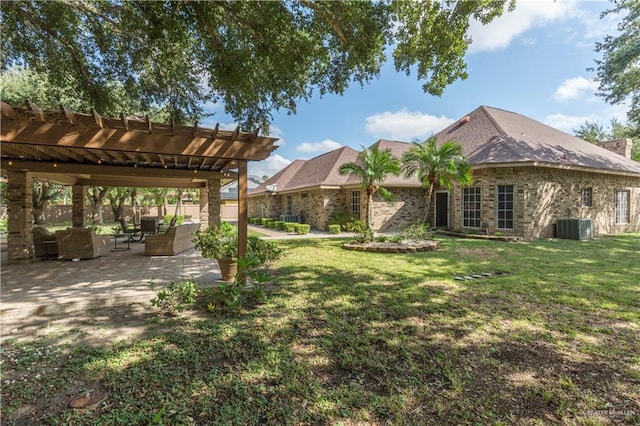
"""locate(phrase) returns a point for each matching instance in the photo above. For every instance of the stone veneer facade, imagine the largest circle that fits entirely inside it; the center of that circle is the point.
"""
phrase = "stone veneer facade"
(541, 197)
(314, 206)
(544, 195)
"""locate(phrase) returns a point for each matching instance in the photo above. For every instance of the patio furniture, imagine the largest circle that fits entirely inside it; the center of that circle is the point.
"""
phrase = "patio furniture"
(149, 225)
(81, 243)
(176, 240)
(42, 239)
(130, 231)
(115, 242)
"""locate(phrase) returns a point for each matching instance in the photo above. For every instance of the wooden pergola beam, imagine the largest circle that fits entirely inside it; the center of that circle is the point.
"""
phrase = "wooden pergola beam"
(119, 140)
(106, 170)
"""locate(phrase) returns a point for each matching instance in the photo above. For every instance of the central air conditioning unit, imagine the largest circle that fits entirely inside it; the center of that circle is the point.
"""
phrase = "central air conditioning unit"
(574, 229)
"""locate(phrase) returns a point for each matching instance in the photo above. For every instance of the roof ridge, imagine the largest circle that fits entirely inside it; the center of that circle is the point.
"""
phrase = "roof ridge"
(499, 128)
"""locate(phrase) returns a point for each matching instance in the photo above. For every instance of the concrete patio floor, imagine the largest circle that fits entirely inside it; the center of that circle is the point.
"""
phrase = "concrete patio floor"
(112, 292)
(46, 287)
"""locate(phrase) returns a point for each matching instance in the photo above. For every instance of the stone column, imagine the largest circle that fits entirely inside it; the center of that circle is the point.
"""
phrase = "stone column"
(20, 211)
(79, 208)
(213, 194)
(204, 208)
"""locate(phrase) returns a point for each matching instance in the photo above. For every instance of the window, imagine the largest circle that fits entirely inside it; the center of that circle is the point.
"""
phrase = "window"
(586, 197)
(505, 206)
(355, 202)
(289, 205)
(622, 206)
(471, 207)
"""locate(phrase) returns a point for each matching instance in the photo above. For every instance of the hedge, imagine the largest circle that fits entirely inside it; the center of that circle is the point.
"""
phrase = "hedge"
(334, 228)
(302, 229)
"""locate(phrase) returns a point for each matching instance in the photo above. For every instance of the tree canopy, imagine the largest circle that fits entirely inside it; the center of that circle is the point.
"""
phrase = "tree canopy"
(593, 132)
(255, 57)
(619, 70)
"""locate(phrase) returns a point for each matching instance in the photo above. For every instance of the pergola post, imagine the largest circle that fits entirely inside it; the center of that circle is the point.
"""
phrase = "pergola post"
(20, 210)
(79, 208)
(210, 204)
(242, 208)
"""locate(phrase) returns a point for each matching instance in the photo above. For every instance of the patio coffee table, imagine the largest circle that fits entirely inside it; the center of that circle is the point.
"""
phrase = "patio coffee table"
(115, 242)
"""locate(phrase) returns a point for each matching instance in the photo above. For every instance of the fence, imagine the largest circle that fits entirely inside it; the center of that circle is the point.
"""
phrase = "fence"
(62, 213)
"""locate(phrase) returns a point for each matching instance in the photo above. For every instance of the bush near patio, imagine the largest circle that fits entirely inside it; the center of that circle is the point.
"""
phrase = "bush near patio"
(367, 338)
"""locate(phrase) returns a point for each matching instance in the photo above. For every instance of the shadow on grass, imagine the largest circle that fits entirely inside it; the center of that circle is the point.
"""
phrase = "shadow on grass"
(370, 339)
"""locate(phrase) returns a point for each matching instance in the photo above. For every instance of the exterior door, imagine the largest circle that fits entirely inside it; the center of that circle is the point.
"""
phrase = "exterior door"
(442, 210)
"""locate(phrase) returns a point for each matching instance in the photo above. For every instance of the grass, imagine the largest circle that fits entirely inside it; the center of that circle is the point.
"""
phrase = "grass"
(367, 338)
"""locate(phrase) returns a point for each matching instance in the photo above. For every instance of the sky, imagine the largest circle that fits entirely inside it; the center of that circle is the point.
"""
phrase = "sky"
(532, 61)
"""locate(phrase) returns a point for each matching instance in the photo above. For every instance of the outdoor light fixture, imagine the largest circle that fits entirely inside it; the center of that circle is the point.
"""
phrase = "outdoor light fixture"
(55, 164)
(10, 163)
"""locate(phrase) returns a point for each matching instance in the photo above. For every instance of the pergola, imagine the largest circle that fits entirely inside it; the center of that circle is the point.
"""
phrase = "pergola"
(90, 150)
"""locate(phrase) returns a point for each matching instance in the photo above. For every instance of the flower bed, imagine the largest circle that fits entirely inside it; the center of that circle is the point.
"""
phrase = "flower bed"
(387, 247)
(507, 239)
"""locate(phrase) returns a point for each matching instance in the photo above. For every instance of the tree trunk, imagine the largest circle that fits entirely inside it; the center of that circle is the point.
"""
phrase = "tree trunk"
(369, 218)
(98, 217)
(426, 217)
(38, 212)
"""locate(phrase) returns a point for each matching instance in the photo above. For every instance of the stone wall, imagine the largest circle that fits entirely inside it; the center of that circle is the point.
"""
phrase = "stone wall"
(541, 197)
(406, 208)
(544, 195)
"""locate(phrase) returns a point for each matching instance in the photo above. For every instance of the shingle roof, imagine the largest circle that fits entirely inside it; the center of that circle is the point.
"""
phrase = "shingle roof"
(490, 136)
(493, 136)
(320, 170)
(397, 148)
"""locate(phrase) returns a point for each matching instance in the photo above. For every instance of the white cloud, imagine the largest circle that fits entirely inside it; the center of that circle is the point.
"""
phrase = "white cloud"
(405, 125)
(269, 166)
(574, 88)
(324, 146)
(567, 123)
(276, 132)
(528, 14)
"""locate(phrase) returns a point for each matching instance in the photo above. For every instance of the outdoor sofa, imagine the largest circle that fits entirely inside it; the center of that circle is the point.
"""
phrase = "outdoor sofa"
(176, 240)
(81, 243)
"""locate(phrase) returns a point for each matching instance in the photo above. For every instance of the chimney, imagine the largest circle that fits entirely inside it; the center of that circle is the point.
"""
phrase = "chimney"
(619, 146)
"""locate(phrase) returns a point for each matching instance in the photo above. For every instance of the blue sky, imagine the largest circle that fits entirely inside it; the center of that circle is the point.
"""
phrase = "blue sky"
(532, 61)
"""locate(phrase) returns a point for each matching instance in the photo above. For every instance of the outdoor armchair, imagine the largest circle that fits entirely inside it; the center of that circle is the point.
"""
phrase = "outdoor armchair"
(81, 243)
(41, 235)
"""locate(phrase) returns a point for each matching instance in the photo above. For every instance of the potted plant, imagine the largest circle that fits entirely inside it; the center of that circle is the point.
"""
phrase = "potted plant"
(220, 243)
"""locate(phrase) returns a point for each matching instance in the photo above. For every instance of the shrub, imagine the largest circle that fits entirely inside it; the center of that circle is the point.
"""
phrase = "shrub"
(290, 226)
(498, 234)
(395, 239)
(344, 219)
(279, 224)
(270, 223)
(264, 221)
(417, 232)
(264, 250)
(3, 225)
(363, 233)
(381, 239)
(175, 297)
(301, 228)
(218, 242)
(334, 228)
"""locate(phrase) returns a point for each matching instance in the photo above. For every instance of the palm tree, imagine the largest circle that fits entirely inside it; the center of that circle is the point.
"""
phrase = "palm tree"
(372, 167)
(441, 165)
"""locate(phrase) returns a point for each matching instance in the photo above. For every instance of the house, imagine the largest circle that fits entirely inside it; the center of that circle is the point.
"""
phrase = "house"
(229, 192)
(527, 176)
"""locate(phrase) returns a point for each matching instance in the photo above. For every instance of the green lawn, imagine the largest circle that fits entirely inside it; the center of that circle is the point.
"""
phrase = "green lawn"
(366, 338)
